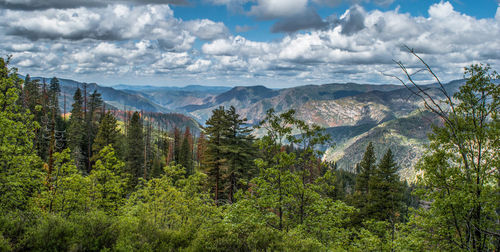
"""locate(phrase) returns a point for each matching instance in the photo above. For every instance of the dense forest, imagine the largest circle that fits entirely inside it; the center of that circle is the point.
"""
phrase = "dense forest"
(95, 180)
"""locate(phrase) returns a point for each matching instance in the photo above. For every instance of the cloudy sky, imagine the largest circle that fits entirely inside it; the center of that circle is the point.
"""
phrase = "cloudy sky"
(276, 43)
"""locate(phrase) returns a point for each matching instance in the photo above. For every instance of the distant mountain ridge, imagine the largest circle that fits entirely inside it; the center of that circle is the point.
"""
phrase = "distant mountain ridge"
(391, 116)
(198, 88)
(116, 98)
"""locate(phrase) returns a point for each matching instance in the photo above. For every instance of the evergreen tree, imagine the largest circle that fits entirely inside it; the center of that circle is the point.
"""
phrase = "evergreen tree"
(238, 151)
(215, 160)
(107, 134)
(460, 170)
(91, 124)
(185, 155)
(135, 151)
(31, 93)
(177, 145)
(201, 148)
(54, 90)
(44, 118)
(76, 131)
(385, 191)
(275, 162)
(364, 170)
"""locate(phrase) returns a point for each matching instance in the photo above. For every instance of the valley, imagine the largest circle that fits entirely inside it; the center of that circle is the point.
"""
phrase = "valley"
(353, 114)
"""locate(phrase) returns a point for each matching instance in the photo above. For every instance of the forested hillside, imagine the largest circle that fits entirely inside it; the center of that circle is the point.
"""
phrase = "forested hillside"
(101, 179)
(354, 114)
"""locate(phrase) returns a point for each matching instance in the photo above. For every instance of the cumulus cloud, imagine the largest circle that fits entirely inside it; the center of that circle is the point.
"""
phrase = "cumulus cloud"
(360, 44)
(271, 9)
(295, 15)
(207, 29)
(69, 4)
(353, 20)
(115, 22)
(306, 20)
(356, 46)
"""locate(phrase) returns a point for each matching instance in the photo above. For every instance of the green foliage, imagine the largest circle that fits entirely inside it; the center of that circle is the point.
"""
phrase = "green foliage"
(20, 171)
(279, 198)
(185, 153)
(94, 231)
(385, 191)
(50, 233)
(76, 131)
(107, 134)
(364, 170)
(66, 189)
(4, 244)
(214, 161)
(135, 149)
(107, 181)
(460, 171)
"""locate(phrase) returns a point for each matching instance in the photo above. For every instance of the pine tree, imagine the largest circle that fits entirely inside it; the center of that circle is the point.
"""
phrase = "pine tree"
(177, 145)
(76, 130)
(201, 148)
(135, 151)
(92, 117)
(54, 90)
(107, 134)
(31, 93)
(238, 151)
(44, 117)
(215, 160)
(185, 155)
(365, 170)
(386, 190)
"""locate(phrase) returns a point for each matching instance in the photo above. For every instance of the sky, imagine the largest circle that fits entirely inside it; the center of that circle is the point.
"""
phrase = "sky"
(275, 43)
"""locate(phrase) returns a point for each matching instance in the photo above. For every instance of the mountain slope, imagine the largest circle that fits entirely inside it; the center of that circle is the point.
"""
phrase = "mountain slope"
(117, 98)
(176, 98)
(405, 136)
(253, 102)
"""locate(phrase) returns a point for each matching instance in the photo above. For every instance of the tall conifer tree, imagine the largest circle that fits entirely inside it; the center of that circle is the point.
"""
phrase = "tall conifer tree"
(215, 161)
(108, 133)
(238, 151)
(76, 130)
(365, 170)
(185, 155)
(135, 151)
(385, 190)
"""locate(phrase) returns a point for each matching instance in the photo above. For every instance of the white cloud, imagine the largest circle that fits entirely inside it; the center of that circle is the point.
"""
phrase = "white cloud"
(199, 65)
(115, 22)
(68, 4)
(207, 29)
(156, 43)
(270, 9)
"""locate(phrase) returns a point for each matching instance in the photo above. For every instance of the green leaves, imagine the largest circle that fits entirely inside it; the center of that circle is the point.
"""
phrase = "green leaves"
(108, 182)
(459, 169)
(20, 168)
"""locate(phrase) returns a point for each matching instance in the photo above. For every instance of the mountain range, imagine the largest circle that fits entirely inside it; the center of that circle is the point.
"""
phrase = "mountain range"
(390, 116)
